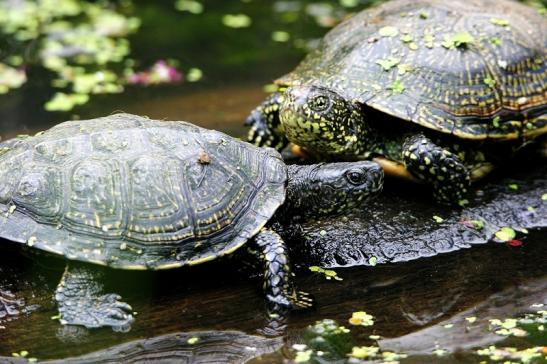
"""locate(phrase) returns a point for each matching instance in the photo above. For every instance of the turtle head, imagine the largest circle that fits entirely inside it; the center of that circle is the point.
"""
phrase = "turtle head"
(332, 188)
(322, 121)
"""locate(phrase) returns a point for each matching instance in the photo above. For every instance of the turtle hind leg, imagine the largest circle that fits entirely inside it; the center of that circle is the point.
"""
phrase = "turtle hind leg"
(264, 124)
(278, 286)
(81, 301)
(438, 167)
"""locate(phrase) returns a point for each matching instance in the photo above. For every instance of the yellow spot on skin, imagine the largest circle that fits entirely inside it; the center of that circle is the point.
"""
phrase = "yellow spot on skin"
(31, 241)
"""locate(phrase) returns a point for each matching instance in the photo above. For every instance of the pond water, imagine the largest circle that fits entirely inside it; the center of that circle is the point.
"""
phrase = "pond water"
(424, 308)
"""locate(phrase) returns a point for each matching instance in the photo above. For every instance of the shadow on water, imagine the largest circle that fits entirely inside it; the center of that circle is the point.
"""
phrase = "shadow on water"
(219, 303)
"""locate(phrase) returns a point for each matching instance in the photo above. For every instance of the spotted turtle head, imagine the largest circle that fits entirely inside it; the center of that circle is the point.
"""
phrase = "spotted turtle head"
(333, 188)
(321, 120)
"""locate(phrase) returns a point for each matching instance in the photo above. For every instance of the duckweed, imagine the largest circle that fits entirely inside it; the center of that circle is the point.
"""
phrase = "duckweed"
(505, 234)
(458, 40)
(237, 20)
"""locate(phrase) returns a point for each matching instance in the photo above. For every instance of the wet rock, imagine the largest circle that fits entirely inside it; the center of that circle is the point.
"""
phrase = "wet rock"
(404, 225)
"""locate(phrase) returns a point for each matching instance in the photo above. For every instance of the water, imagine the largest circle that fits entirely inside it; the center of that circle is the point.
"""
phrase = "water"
(220, 303)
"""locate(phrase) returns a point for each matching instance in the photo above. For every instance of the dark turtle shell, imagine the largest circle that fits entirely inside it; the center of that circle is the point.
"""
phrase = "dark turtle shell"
(473, 68)
(134, 193)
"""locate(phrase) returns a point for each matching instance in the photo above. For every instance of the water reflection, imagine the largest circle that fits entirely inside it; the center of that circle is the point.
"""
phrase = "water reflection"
(183, 347)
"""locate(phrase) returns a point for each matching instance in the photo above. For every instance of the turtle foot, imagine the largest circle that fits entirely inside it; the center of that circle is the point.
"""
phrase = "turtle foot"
(438, 167)
(263, 122)
(81, 302)
(107, 310)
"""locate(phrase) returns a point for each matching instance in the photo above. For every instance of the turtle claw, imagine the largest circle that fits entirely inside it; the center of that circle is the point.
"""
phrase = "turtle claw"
(124, 306)
(101, 311)
(118, 313)
(297, 300)
(302, 300)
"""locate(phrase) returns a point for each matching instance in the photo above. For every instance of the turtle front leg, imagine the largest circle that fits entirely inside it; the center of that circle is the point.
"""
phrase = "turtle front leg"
(437, 167)
(278, 287)
(264, 124)
(81, 302)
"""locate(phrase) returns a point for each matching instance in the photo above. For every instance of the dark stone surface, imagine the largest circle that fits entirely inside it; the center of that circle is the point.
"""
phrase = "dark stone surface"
(400, 226)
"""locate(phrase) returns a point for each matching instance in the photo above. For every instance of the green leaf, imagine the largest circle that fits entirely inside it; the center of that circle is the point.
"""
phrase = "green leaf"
(64, 102)
(303, 356)
(388, 31)
(396, 87)
(428, 40)
(505, 234)
(280, 36)
(388, 63)
(438, 219)
(406, 38)
(194, 75)
(496, 41)
(458, 40)
(496, 121)
(404, 68)
(191, 6)
(236, 20)
(349, 3)
(477, 224)
(500, 22)
(513, 186)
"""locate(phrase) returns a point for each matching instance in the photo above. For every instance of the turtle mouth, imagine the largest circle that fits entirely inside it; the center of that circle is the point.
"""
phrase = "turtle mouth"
(375, 182)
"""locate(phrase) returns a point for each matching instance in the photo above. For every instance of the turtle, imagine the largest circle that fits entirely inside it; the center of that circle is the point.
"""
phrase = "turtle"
(132, 193)
(439, 92)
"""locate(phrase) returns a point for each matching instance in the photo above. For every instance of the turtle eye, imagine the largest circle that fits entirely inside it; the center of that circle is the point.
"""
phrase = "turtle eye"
(355, 177)
(319, 103)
